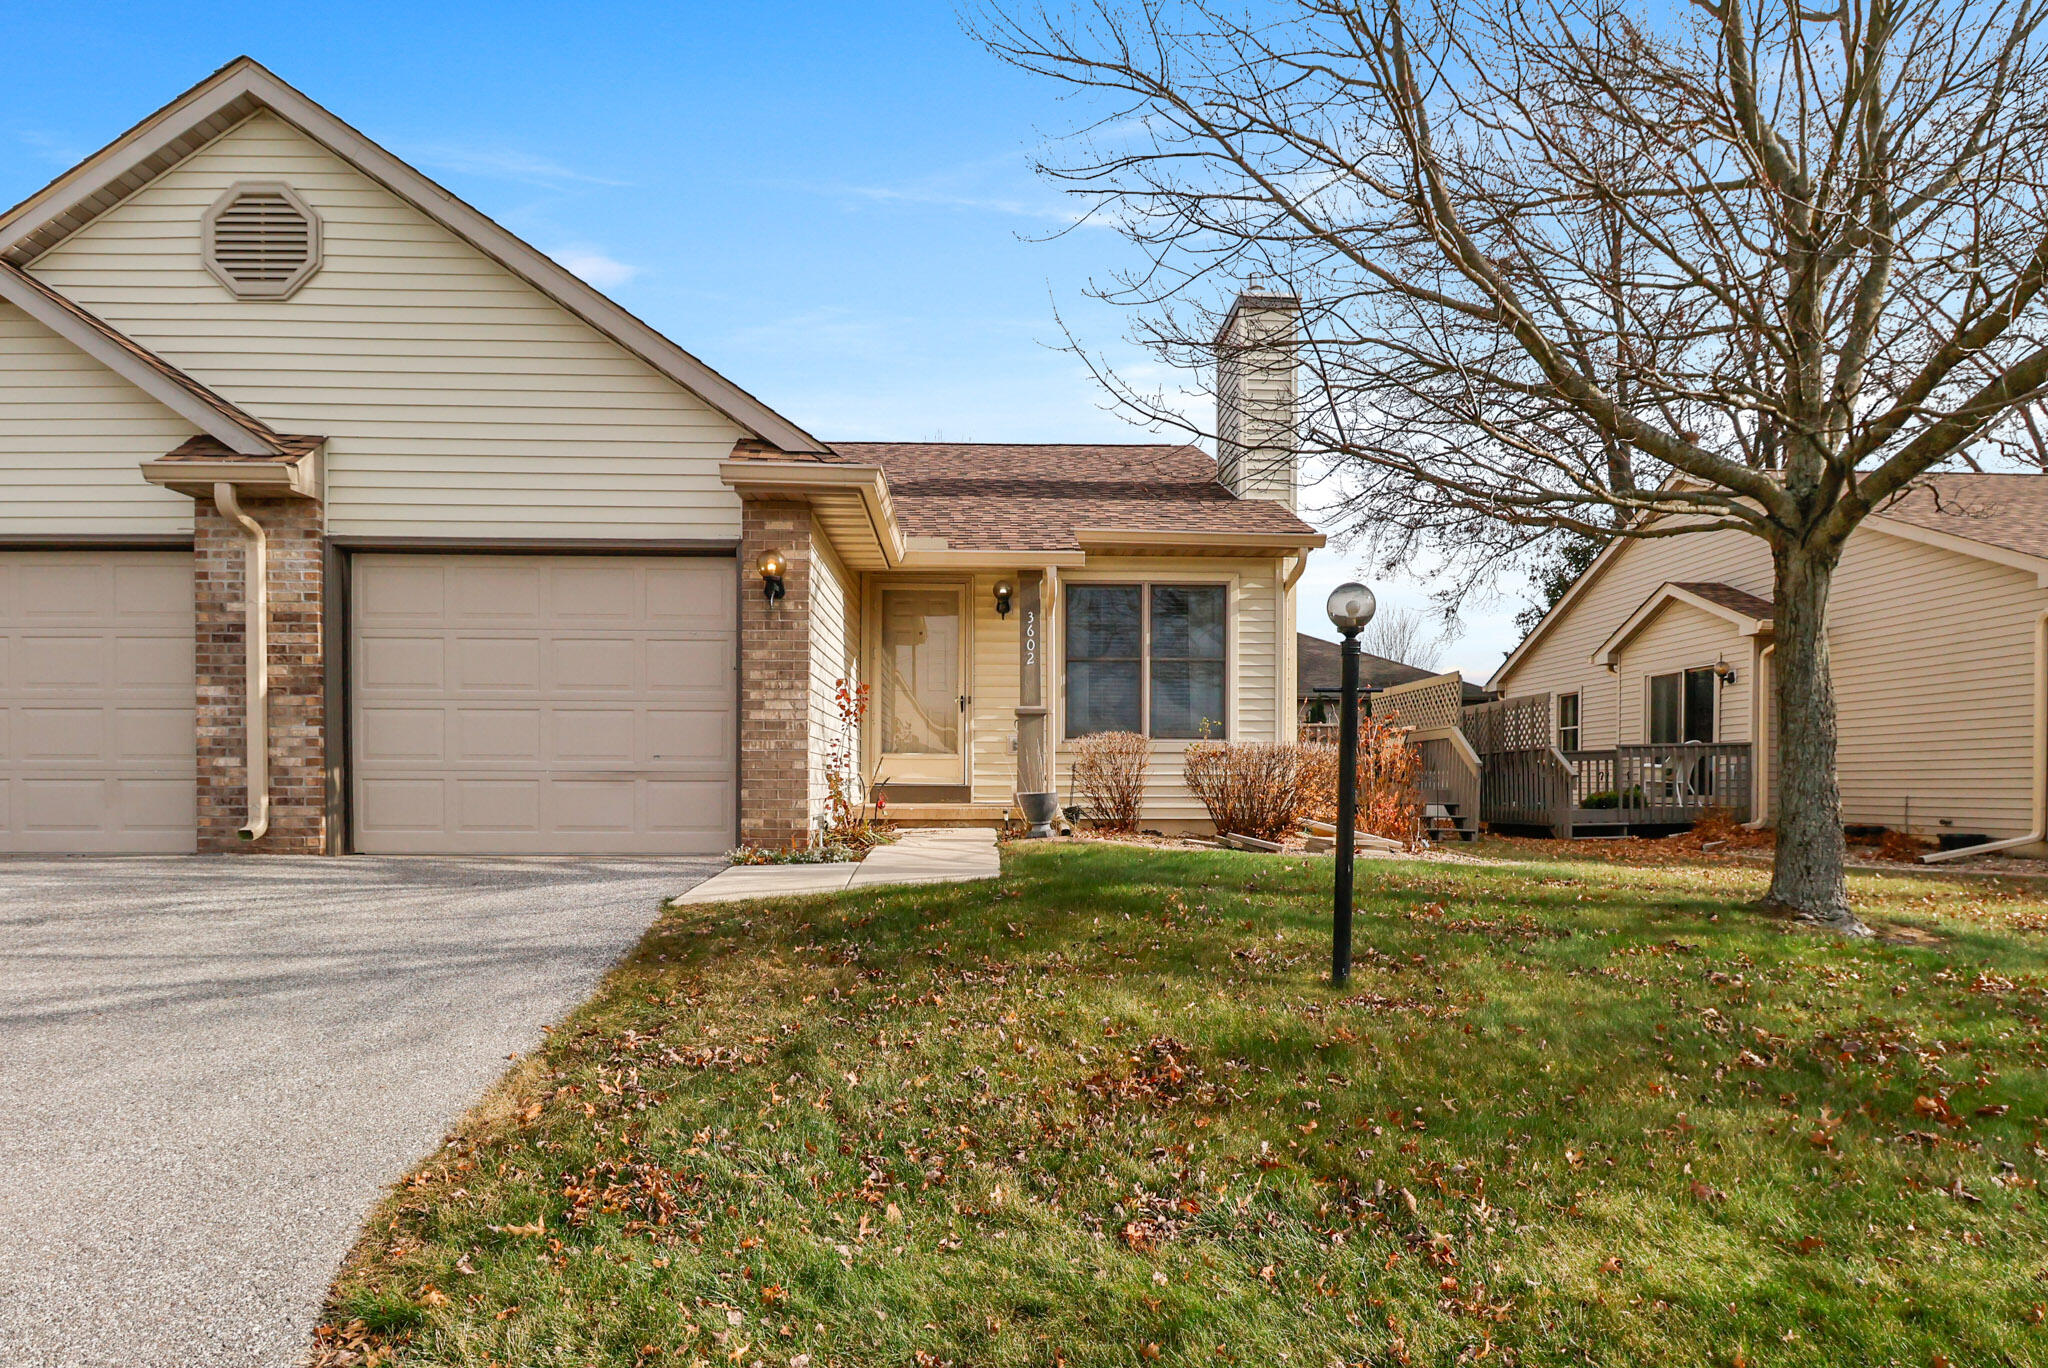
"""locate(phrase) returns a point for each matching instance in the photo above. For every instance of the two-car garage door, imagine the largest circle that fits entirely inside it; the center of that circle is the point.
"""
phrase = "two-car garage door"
(516, 704)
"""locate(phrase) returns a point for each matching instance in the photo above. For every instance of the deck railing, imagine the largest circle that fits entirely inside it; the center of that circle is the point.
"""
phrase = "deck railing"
(1673, 784)
(1669, 784)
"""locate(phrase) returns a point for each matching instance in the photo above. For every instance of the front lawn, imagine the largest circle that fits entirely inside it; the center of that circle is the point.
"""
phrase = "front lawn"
(1107, 1110)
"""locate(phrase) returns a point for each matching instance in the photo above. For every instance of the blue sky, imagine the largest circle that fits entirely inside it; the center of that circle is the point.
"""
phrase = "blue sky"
(832, 204)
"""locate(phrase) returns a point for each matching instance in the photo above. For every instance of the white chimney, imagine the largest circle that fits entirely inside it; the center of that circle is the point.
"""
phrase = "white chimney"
(1255, 395)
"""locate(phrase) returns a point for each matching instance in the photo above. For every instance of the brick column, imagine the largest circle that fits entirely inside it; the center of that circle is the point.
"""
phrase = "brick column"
(775, 677)
(298, 743)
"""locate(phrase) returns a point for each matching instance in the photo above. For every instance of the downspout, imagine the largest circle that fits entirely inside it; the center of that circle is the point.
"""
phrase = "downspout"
(1287, 707)
(1759, 738)
(2040, 826)
(256, 653)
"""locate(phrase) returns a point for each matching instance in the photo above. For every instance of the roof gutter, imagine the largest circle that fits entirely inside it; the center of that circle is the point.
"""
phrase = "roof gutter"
(256, 653)
(1221, 543)
(806, 479)
(2039, 829)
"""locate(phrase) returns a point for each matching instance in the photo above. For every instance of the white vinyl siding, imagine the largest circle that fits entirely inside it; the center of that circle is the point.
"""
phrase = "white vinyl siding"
(458, 400)
(834, 623)
(1933, 665)
(73, 437)
(1933, 658)
(995, 688)
(1563, 660)
(1680, 638)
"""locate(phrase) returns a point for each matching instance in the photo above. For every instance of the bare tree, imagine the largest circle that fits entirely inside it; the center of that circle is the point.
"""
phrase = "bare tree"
(1405, 635)
(1590, 266)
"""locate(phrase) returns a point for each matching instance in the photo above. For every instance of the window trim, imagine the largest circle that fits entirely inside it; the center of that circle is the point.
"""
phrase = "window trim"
(1229, 584)
(1680, 674)
(1578, 726)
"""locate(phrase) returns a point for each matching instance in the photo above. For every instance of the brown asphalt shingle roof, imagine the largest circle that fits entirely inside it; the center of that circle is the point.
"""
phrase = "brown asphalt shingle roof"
(1319, 668)
(2008, 511)
(205, 448)
(1728, 596)
(1019, 497)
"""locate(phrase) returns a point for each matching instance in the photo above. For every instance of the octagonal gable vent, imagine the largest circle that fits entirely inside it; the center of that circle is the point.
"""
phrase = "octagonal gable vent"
(261, 240)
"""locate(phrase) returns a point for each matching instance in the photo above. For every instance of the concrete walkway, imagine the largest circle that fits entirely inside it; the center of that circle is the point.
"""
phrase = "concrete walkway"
(210, 1068)
(920, 855)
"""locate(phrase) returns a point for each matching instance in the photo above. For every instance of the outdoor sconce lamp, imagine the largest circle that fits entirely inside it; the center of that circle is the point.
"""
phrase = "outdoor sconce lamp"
(1724, 672)
(1351, 606)
(1003, 592)
(771, 565)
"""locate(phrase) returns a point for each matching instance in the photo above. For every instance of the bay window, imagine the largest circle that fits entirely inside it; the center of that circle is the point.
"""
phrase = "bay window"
(1146, 658)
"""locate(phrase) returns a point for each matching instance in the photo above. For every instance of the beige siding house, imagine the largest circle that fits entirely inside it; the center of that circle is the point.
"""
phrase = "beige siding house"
(1936, 633)
(334, 517)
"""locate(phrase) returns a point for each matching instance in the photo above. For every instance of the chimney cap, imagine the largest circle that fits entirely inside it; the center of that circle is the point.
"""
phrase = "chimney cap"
(1257, 295)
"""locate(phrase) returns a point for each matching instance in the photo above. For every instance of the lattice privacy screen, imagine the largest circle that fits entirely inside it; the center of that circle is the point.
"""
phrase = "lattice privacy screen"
(1424, 705)
(1511, 724)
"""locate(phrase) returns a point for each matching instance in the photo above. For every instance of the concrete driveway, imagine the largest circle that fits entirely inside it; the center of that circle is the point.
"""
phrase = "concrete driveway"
(210, 1067)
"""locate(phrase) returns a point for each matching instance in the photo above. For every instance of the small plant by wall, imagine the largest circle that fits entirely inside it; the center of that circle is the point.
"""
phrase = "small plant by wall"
(1249, 788)
(1109, 774)
(1387, 770)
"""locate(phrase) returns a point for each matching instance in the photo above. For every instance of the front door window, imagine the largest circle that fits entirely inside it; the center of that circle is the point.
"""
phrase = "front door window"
(920, 701)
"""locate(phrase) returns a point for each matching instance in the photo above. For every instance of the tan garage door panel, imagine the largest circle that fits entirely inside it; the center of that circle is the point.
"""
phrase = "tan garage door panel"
(543, 704)
(97, 741)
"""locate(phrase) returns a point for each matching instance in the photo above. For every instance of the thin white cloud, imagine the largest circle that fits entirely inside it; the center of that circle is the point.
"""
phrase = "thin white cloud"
(987, 204)
(48, 147)
(503, 164)
(603, 271)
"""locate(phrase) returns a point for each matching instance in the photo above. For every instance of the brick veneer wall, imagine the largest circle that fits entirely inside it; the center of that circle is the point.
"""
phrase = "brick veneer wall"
(298, 742)
(775, 677)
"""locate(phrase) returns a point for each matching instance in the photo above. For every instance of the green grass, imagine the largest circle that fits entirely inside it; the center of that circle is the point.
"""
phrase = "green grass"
(1107, 1110)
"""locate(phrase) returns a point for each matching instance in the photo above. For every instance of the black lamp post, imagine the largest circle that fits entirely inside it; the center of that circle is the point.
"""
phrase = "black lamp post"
(1351, 606)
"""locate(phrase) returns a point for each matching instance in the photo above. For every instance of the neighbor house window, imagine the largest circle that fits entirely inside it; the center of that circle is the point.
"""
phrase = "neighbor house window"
(1682, 707)
(1568, 722)
(1146, 658)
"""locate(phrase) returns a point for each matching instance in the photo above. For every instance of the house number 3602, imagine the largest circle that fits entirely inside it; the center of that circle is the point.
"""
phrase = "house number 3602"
(1030, 637)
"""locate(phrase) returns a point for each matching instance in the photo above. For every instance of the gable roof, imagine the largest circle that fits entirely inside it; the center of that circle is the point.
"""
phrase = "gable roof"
(1997, 517)
(1070, 496)
(244, 87)
(1319, 668)
(1741, 605)
(2009, 512)
(232, 427)
(1746, 612)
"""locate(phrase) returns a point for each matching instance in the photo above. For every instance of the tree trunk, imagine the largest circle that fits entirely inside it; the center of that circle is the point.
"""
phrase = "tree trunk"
(1806, 878)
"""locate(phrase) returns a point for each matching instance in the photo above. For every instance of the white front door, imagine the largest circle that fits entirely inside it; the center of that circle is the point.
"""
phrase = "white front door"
(921, 702)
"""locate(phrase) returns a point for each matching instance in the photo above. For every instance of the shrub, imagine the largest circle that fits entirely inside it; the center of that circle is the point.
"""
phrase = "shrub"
(1249, 788)
(845, 820)
(1109, 772)
(1387, 769)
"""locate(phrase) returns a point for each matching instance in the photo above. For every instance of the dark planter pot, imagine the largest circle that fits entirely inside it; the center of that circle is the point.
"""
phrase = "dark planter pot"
(1039, 810)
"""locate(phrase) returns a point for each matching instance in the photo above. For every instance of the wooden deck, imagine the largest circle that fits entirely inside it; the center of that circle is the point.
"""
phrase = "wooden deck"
(1628, 788)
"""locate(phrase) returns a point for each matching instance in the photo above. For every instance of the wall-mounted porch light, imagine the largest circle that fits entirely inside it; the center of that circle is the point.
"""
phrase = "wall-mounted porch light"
(772, 566)
(1724, 672)
(1004, 590)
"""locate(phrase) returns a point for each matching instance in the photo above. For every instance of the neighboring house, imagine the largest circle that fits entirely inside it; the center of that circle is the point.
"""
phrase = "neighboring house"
(1319, 677)
(1659, 656)
(516, 540)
